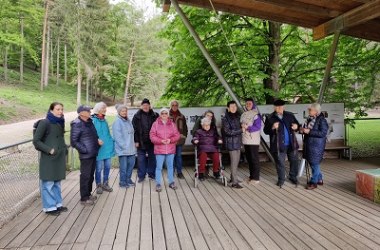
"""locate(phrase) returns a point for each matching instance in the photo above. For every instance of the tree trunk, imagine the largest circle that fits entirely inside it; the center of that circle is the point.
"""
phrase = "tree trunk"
(57, 70)
(51, 52)
(87, 91)
(79, 82)
(65, 62)
(46, 72)
(5, 63)
(272, 69)
(128, 80)
(43, 54)
(22, 50)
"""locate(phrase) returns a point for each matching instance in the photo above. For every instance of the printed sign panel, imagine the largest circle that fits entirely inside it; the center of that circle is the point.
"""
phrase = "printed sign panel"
(335, 116)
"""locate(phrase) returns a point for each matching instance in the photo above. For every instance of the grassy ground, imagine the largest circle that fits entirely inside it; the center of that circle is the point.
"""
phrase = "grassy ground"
(23, 101)
(365, 138)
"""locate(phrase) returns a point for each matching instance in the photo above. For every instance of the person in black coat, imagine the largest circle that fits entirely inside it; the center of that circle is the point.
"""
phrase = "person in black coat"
(142, 123)
(315, 131)
(281, 126)
(232, 138)
(84, 138)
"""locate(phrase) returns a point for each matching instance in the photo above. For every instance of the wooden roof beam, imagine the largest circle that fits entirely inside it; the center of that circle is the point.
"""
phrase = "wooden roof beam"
(359, 15)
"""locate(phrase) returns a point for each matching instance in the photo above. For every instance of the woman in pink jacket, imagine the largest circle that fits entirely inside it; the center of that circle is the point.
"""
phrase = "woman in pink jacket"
(164, 135)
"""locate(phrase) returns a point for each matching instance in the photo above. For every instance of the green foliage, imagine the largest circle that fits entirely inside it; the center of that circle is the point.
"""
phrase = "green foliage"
(354, 79)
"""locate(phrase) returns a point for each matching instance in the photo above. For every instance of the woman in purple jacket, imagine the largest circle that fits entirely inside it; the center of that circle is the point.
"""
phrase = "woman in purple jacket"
(207, 140)
(251, 125)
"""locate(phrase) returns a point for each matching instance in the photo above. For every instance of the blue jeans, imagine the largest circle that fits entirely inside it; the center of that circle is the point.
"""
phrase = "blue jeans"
(178, 159)
(127, 162)
(316, 174)
(50, 195)
(146, 164)
(106, 173)
(168, 159)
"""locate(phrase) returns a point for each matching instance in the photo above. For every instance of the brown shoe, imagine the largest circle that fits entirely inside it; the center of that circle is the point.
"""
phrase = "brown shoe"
(311, 186)
(87, 202)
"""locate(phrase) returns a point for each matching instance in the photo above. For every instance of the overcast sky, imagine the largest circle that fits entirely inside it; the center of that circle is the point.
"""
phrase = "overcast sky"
(148, 6)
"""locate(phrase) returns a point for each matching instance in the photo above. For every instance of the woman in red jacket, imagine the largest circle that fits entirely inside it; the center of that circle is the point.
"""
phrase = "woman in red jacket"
(164, 135)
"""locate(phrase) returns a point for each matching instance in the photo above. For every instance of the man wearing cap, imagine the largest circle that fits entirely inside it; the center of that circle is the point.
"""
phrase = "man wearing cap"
(281, 126)
(84, 138)
(142, 123)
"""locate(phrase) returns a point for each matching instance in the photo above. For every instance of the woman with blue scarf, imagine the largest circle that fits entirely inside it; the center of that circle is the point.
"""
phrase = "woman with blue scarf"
(49, 139)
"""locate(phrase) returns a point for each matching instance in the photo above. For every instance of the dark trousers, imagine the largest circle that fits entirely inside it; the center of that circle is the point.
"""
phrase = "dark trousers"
(280, 164)
(87, 170)
(146, 164)
(252, 154)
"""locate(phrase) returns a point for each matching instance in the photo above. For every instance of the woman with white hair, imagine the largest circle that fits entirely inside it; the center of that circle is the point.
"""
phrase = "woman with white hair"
(106, 151)
(315, 131)
(207, 140)
(123, 133)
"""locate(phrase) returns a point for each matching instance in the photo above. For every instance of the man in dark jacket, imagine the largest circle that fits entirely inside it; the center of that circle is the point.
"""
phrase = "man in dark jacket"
(180, 121)
(281, 126)
(84, 138)
(232, 138)
(142, 123)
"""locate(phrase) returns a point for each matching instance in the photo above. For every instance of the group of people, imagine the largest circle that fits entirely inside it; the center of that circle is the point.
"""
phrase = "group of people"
(157, 139)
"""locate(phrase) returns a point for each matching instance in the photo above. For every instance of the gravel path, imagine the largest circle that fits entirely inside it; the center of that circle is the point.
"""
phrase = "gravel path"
(21, 131)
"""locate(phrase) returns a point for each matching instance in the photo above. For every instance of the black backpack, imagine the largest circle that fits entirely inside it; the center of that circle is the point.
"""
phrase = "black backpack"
(47, 131)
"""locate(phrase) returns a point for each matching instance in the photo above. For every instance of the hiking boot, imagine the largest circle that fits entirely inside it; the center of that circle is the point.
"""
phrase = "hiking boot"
(53, 213)
(99, 189)
(216, 175)
(87, 202)
(173, 186)
(106, 187)
(280, 184)
(237, 186)
(311, 186)
(62, 209)
(201, 176)
(93, 197)
(158, 188)
(320, 183)
(180, 176)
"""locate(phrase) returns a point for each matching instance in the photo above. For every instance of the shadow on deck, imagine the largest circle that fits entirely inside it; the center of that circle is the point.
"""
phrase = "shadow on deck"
(210, 217)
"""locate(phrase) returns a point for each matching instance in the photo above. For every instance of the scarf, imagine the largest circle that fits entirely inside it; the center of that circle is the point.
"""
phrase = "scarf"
(56, 120)
(100, 116)
(310, 122)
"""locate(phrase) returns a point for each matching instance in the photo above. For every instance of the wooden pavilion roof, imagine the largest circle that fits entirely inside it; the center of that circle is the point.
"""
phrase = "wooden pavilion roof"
(357, 18)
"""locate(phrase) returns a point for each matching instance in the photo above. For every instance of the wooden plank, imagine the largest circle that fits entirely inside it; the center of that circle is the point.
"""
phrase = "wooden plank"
(159, 241)
(91, 221)
(124, 223)
(170, 229)
(133, 237)
(100, 227)
(356, 16)
(146, 241)
(65, 246)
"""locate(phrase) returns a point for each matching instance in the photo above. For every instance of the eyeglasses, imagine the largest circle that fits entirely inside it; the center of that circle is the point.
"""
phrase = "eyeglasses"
(164, 113)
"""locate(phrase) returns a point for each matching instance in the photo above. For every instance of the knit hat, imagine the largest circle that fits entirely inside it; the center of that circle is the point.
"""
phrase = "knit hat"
(164, 110)
(120, 107)
(145, 101)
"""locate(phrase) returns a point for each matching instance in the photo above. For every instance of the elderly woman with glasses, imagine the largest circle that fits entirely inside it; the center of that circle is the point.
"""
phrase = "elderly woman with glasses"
(315, 131)
(164, 135)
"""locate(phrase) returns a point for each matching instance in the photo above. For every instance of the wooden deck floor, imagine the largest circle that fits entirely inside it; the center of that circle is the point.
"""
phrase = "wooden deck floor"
(209, 217)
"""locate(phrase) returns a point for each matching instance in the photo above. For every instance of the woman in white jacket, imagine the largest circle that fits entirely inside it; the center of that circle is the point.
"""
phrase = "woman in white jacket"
(123, 134)
(251, 123)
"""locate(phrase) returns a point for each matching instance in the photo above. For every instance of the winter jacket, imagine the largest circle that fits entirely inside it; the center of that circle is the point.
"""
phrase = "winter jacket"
(180, 121)
(251, 135)
(314, 143)
(51, 167)
(142, 123)
(197, 124)
(208, 140)
(123, 134)
(162, 131)
(278, 138)
(107, 150)
(84, 138)
(231, 131)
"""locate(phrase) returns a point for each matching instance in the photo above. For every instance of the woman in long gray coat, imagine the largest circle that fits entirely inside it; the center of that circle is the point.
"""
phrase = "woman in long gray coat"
(49, 140)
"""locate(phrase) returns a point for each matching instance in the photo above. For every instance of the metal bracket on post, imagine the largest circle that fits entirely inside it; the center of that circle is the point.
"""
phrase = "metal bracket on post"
(329, 65)
(213, 65)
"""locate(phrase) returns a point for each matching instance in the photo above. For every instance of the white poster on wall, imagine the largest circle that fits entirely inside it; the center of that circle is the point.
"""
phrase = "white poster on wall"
(334, 111)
